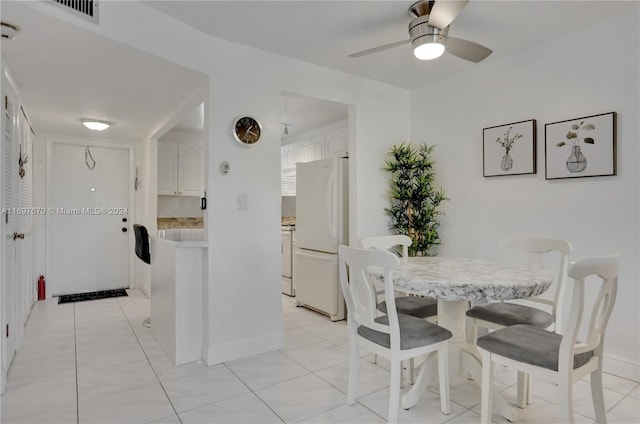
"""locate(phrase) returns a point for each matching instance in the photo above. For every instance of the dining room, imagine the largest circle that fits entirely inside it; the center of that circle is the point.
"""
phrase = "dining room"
(532, 88)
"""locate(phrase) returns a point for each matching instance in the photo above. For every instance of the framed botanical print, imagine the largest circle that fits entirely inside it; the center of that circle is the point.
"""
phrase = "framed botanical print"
(581, 147)
(509, 149)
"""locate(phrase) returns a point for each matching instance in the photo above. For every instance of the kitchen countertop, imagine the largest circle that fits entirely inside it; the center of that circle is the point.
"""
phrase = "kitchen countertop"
(181, 243)
(168, 223)
(288, 221)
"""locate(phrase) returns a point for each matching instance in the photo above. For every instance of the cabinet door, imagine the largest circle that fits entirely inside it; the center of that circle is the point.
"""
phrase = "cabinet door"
(318, 147)
(167, 168)
(337, 143)
(290, 154)
(190, 170)
(305, 151)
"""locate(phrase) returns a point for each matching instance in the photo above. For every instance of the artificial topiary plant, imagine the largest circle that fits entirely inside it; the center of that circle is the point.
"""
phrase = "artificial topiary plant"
(414, 199)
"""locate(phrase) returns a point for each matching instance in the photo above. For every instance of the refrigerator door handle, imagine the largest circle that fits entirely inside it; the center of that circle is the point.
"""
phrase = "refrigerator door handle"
(332, 203)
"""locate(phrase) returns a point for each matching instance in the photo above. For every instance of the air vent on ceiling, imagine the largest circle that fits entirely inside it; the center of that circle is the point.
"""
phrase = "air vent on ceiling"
(87, 9)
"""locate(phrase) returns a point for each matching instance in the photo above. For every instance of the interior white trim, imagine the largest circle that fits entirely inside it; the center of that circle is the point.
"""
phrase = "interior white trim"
(232, 351)
(621, 367)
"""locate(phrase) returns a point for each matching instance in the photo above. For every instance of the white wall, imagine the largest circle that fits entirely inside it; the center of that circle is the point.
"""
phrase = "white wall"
(179, 207)
(244, 302)
(575, 76)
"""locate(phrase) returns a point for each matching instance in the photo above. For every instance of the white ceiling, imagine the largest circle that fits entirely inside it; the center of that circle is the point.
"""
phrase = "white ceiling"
(303, 114)
(325, 32)
(65, 73)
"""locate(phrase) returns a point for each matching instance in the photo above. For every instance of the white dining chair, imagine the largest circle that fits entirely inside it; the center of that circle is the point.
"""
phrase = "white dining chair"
(394, 336)
(560, 358)
(497, 315)
(417, 306)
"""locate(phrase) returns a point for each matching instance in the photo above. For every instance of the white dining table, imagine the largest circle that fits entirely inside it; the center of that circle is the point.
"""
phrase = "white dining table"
(454, 282)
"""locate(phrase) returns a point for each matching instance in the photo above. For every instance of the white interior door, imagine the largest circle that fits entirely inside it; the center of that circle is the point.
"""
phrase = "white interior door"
(8, 289)
(90, 218)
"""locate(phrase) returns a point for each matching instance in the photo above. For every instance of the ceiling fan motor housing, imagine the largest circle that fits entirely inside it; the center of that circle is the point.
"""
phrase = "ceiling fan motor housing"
(421, 32)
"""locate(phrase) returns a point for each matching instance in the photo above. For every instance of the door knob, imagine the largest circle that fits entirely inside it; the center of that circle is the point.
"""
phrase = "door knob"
(18, 236)
(124, 229)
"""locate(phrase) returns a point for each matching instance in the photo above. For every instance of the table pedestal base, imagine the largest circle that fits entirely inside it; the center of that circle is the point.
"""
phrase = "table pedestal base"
(462, 358)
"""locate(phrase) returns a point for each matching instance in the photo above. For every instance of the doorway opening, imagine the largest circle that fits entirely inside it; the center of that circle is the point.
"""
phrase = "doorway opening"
(312, 130)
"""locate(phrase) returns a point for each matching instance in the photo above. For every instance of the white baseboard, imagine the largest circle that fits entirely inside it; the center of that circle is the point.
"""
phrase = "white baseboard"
(144, 286)
(621, 367)
(245, 348)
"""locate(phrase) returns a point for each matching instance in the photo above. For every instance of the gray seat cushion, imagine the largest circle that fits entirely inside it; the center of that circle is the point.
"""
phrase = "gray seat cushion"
(414, 332)
(507, 314)
(421, 307)
(530, 345)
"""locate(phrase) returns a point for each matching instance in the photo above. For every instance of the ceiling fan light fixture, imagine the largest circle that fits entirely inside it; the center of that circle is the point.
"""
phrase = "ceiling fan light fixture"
(428, 42)
(95, 124)
(428, 50)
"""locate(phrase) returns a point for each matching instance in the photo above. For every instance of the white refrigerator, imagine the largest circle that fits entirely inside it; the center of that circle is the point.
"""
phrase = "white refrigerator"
(322, 224)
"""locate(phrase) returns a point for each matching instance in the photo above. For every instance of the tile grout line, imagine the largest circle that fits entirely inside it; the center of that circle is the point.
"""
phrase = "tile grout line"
(250, 390)
(149, 361)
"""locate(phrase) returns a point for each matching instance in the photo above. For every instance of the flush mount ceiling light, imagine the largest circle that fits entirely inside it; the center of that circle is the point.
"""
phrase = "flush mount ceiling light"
(95, 124)
(9, 31)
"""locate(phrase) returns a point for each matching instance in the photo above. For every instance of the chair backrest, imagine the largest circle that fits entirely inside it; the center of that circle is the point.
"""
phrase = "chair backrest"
(535, 250)
(142, 243)
(388, 243)
(359, 290)
(603, 271)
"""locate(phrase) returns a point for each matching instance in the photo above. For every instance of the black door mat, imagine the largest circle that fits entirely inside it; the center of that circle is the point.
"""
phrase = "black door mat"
(79, 297)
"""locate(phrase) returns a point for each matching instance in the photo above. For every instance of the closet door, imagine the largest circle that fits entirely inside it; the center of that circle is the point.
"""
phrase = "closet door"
(9, 292)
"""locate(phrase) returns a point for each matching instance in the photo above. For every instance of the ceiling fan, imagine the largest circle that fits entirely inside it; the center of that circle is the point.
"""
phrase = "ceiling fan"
(428, 33)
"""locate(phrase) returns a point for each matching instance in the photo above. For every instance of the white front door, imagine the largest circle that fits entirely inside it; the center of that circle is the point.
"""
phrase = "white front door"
(89, 211)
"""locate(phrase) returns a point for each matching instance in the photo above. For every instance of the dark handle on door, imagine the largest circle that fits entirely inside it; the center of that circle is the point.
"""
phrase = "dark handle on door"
(124, 229)
(203, 201)
(18, 236)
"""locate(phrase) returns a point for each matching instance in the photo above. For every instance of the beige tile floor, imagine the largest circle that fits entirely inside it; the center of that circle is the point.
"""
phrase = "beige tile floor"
(94, 362)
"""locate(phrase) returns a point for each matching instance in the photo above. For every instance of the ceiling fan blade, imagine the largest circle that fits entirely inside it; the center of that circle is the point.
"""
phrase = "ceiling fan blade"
(378, 49)
(467, 50)
(444, 12)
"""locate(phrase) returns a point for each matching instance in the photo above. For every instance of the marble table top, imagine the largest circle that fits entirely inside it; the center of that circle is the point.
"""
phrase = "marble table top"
(452, 278)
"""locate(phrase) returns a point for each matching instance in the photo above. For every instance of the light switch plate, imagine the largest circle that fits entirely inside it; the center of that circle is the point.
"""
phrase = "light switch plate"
(242, 202)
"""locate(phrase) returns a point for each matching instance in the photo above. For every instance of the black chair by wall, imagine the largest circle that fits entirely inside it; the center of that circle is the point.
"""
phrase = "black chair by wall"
(142, 243)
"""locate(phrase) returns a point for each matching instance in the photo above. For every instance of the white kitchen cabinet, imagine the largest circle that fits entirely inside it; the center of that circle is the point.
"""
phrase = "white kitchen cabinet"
(180, 169)
(336, 143)
(167, 167)
(329, 141)
(289, 156)
(318, 147)
(305, 151)
(190, 169)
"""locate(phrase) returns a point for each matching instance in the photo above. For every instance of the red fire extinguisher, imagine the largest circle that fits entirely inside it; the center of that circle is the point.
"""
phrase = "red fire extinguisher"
(42, 291)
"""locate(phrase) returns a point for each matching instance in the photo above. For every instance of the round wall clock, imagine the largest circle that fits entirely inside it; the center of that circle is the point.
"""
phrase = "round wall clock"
(247, 130)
